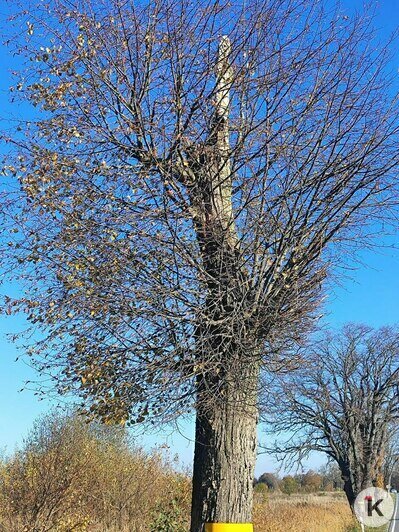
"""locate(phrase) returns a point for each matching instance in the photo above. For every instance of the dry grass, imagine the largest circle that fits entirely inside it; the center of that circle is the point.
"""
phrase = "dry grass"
(303, 513)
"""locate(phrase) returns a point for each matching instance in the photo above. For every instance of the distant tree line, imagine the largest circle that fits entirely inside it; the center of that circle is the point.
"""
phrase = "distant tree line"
(327, 478)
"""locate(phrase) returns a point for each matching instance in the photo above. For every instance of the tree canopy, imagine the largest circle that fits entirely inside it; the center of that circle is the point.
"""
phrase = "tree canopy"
(135, 258)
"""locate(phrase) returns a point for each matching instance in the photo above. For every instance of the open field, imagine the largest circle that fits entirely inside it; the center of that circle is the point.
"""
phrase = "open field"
(316, 512)
(326, 512)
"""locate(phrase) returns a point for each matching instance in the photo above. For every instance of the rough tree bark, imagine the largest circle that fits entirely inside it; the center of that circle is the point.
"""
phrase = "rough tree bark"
(225, 446)
(353, 482)
(225, 453)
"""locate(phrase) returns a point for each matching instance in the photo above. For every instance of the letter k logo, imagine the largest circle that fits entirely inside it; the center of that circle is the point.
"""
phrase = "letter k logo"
(373, 507)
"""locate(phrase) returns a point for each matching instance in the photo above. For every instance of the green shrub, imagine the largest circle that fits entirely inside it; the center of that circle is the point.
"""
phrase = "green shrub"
(169, 518)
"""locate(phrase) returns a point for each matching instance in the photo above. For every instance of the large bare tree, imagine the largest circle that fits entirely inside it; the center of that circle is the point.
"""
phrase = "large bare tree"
(343, 402)
(192, 174)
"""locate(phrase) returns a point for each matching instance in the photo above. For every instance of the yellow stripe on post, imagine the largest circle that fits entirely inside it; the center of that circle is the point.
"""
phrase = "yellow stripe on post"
(229, 527)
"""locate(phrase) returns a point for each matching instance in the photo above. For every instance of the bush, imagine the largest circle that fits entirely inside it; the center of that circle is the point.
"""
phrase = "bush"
(70, 475)
(261, 488)
(289, 485)
(270, 480)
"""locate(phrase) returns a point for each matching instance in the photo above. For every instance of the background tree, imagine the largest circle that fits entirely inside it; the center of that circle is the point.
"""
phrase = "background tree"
(270, 479)
(395, 479)
(191, 176)
(311, 481)
(332, 476)
(342, 403)
(391, 457)
(289, 485)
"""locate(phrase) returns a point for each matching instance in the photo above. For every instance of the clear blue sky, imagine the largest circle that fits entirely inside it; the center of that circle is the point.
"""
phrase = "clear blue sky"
(370, 296)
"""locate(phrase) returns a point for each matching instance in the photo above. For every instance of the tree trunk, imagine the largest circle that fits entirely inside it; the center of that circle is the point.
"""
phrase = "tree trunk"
(227, 415)
(355, 481)
(350, 494)
(225, 454)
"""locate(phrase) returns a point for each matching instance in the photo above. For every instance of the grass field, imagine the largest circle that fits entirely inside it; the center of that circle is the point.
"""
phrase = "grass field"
(327, 512)
(324, 512)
